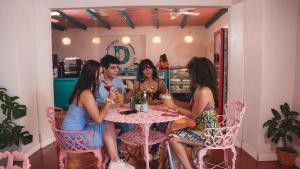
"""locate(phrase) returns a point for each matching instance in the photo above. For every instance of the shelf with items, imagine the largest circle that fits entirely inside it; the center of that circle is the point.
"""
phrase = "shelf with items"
(179, 81)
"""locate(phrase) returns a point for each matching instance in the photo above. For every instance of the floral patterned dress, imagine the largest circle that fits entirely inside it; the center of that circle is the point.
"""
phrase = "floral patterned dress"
(207, 119)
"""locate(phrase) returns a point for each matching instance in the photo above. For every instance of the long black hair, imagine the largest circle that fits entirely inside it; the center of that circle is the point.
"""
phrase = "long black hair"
(142, 66)
(88, 79)
(203, 73)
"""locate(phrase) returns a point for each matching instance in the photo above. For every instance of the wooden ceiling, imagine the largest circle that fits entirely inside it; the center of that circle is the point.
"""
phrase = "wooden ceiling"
(113, 17)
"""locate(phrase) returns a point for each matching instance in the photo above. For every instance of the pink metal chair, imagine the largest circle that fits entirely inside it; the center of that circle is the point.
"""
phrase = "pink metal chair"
(74, 142)
(223, 137)
(10, 160)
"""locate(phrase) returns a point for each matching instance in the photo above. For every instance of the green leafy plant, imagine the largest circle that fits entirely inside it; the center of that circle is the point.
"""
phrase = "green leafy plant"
(282, 125)
(11, 133)
(139, 100)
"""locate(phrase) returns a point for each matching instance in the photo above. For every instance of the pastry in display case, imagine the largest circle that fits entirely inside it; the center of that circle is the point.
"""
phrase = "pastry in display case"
(179, 81)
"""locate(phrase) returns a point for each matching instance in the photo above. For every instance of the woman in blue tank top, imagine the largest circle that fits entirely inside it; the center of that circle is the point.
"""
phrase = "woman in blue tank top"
(83, 107)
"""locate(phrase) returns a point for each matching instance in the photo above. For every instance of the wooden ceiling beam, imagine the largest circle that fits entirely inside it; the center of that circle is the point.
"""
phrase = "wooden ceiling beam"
(58, 27)
(216, 17)
(155, 18)
(98, 18)
(127, 19)
(71, 20)
(185, 21)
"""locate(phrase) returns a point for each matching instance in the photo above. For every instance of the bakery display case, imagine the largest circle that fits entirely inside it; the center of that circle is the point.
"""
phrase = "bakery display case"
(179, 81)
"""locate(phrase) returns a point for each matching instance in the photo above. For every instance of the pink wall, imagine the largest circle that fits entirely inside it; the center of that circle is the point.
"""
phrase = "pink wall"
(172, 42)
(296, 102)
(270, 55)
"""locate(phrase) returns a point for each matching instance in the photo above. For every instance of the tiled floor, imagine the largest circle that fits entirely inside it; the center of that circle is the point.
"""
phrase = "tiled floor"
(47, 158)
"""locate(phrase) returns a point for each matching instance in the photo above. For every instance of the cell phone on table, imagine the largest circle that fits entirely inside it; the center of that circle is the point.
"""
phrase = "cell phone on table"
(128, 112)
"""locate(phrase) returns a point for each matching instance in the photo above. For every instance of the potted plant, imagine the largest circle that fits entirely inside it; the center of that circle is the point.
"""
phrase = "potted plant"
(282, 126)
(12, 134)
(139, 103)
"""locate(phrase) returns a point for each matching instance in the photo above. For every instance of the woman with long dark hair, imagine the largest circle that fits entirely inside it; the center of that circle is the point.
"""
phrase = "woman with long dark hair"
(83, 107)
(202, 108)
(163, 63)
(148, 80)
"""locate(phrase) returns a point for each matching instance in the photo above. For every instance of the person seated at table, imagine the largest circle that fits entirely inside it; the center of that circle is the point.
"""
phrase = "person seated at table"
(83, 107)
(110, 77)
(148, 80)
(202, 108)
(163, 63)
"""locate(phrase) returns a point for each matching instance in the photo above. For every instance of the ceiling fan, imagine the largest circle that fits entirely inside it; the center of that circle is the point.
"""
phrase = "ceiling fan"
(175, 12)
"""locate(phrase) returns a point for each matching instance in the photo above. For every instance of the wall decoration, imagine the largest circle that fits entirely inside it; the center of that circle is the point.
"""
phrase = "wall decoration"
(124, 52)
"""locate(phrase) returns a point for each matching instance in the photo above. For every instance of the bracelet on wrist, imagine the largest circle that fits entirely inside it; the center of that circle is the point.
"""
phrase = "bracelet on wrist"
(110, 100)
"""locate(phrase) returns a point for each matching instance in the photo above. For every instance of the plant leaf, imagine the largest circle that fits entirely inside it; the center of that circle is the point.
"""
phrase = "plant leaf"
(293, 114)
(266, 124)
(289, 138)
(276, 114)
(275, 139)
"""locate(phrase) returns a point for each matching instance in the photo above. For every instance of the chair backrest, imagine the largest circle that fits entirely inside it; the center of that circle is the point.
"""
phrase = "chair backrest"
(5, 155)
(10, 160)
(234, 112)
(70, 140)
(59, 117)
(226, 134)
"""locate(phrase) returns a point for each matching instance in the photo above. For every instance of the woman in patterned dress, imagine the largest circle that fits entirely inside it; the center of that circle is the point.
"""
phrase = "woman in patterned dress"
(203, 78)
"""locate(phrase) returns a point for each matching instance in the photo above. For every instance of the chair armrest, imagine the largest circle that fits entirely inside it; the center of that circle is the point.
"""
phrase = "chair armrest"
(220, 137)
(75, 140)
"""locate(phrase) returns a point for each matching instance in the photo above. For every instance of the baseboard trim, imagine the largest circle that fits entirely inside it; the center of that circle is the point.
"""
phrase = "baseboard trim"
(297, 162)
(250, 150)
(267, 157)
(33, 149)
(47, 142)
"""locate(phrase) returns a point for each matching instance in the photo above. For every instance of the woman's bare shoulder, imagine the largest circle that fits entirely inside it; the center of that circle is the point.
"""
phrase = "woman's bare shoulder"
(86, 93)
(204, 91)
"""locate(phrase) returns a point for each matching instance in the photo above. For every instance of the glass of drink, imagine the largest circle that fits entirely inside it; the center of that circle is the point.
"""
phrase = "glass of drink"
(165, 97)
(120, 99)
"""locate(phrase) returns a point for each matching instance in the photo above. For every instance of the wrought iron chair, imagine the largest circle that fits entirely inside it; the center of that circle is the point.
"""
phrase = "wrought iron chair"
(74, 142)
(10, 160)
(224, 137)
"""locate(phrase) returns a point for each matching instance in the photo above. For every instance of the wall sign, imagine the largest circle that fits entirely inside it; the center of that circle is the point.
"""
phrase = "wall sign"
(121, 51)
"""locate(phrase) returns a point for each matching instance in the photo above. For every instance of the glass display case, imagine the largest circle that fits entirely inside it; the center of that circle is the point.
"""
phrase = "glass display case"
(131, 75)
(179, 81)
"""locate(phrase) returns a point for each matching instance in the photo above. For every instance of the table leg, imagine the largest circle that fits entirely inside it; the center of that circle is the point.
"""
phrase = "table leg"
(145, 129)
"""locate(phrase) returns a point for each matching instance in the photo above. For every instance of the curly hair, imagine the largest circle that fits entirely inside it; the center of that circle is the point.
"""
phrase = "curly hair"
(203, 73)
(142, 66)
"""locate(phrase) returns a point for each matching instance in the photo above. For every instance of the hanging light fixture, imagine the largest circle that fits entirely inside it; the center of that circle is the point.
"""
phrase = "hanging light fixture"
(156, 39)
(126, 40)
(66, 41)
(96, 40)
(188, 39)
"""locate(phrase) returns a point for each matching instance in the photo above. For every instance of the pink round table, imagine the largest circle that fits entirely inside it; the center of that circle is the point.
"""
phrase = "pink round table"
(142, 136)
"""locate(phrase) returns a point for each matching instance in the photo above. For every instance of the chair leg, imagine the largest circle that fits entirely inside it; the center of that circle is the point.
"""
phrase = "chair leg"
(62, 157)
(225, 157)
(201, 154)
(99, 157)
(234, 157)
